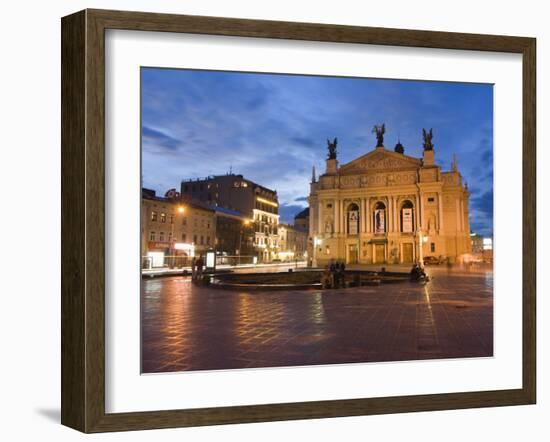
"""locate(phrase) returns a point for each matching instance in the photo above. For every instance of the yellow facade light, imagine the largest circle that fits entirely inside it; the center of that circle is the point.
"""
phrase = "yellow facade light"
(268, 202)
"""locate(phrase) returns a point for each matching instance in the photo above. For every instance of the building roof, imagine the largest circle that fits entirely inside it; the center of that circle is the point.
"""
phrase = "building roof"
(229, 175)
(149, 194)
(303, 214)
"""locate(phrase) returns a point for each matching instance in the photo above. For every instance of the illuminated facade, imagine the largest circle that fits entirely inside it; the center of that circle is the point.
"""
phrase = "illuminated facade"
(292, 243)
(258, 203)
(170, 227)
(387, 207)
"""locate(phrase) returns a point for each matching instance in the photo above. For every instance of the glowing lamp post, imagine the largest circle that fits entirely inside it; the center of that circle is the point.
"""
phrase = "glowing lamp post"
(180, 210)
(316, 243)
(245, 224)
(421, 240)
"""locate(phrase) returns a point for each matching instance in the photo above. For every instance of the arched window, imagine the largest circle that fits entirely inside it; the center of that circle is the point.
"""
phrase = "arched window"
(407, 217)
(352, 217)
(379, 218)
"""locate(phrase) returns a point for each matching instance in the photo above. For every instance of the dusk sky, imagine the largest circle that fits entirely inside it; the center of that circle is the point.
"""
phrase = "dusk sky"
(273, 128)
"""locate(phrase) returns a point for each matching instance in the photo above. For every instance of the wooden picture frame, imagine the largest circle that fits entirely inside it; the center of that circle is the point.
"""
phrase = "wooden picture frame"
(83, 220)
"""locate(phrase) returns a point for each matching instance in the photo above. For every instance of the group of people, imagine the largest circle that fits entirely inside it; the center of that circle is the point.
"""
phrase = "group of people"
(197, 267)
(335, 275)
(417, 273)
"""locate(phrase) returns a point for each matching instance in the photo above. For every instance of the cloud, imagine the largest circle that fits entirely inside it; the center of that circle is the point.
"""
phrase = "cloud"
(157, 138)
(273, 128)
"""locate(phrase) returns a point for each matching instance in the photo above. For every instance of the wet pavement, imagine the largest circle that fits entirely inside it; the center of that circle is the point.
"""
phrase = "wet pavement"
(185, 327)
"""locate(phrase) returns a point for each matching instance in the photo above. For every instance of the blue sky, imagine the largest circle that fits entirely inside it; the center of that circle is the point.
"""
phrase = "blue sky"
(273, 128)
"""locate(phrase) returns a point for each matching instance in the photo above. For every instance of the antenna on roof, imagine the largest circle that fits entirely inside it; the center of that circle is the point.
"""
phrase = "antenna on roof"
(231, 169)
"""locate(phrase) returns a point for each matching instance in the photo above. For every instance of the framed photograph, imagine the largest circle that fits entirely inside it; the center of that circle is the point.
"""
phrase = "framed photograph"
(267, 221)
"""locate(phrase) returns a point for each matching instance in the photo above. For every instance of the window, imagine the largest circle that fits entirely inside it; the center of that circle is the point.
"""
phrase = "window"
(184, 221)
(163, 217)
(352, 218)
(170, 237)
(153, 216)
(186, 188)
(329, 206)
(208, 240)
(183, 237)
(431, 199)
(379, 218)
(432, 247)
(152, 236)
(171, 219)
(194, 239)
(161, 236)
(202, 240)
(407, 217)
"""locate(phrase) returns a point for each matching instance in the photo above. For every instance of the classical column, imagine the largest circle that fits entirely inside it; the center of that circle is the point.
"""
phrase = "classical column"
(319, 221)
(422, 222)
(336, 216)
(361, 215)
(440, 206)
(343, 217)
(367, 215)
(392, 212)
(395, 215)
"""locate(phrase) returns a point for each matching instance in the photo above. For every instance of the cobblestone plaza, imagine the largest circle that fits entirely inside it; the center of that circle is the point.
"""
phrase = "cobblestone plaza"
(188, 327)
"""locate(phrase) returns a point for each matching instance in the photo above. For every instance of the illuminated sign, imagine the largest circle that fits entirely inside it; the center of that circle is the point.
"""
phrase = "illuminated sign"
(186, 247)
(210, 260)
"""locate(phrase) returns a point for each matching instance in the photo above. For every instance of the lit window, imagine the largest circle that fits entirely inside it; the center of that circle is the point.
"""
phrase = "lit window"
(153, 216)
(163, 217)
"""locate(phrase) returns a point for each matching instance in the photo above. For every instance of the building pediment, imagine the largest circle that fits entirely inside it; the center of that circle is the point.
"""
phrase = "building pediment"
(379, 160)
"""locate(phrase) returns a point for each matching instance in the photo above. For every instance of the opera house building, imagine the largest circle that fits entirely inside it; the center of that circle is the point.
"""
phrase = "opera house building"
(386, 207)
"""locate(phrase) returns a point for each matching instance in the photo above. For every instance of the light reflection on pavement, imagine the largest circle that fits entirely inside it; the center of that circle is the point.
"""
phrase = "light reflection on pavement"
(186, 327)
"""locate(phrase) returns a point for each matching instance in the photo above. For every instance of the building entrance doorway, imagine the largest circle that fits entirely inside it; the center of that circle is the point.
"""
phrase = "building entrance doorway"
(353, 254)
(407, 252)
(379, 253)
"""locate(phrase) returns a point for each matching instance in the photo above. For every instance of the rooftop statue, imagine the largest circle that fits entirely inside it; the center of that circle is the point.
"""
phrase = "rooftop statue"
(332, 149)
(427, 139)
(379, 130)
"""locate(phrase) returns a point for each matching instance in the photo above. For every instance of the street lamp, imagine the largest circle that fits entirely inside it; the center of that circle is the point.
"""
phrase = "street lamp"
(181, 210)
(245, 223)
(316, 242)
(421, 240)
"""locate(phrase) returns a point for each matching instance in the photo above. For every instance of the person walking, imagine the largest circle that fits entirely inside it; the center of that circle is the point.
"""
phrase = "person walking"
(332, 270)
(200, 265)
(194, 269)
(342, 275)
